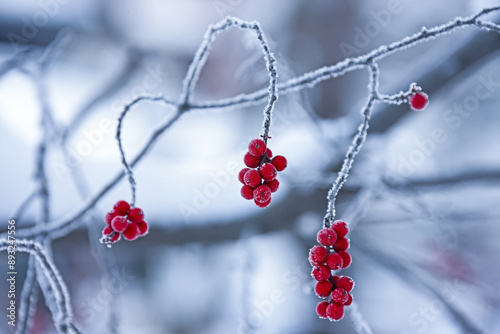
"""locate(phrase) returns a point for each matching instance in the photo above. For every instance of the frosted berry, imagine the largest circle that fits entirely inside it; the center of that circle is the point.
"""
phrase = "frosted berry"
(340, 296)
(346, 283)
(107, 230)
(342, 244)
(334, 261)
(122, 207)
(321, 309)
(131, 232)
(321, 273)
(143, 228)
(349, 300)
(262, 193)
(335, 278)
(347, 259)
(119, 224)
(269, 153)
(323, 289)
(340, 227)
(418, 101)
(109, 216)
(241, 174)
(268, 172)
(252, 178)
(251, 161)
(136, 215)
(327, 237)
(279, 162)
(317, 255)
(335, 312)
(257, 147)
(115, 238)
(247, 192)
(262, 204)
(273, 185)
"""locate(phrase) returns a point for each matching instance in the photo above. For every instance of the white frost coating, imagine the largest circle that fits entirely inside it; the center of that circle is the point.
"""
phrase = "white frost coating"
(360, 324)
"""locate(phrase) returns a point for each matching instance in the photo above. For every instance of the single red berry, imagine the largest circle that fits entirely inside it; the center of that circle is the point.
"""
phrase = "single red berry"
(136, 215)
(119, 223)
(268, 172)
(335, 278)
(241, 174)
(418, 101)
(317, 255)
(262, 194)
(335, 312)
(327, 237)
(122, 207)
(340, 296)
(334, 261)
(273, 185)
(257, 147)
(115, 238)
(263, 204)
(109, 216)
(252, 178)
(131, 232)
(347, 259)
(346, 283)
(251, 161)
(342, 244)
(323, 289)
(349, 300)
(143, 228)
(107, 230)
(321, 273)
(269, 153)
(340, 227)
(279, 162)
(247, 192)
(321, 309)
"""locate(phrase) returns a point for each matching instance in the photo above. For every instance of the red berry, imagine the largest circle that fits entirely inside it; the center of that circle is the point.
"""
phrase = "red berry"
(131, 232)
(321, 273)
(323, 289)
(143, 228)
(335, 312)
(317, 255)
(262, 194)
(109, 216)
(241, 174)
(107, 230)
(115, 238)
(340, 296)
(346, 283)
(327, 237)
(349, 300)
(334, 261)
(273, 185)
(342, 244)
(251, 161)
(418, 101)
(269, 153)
(252, 178)
(262, 205)
(268, 172)
(119, 223)
(335, 278)
(279, 162)
(122, 207)
(257, 147)
(136, 215)
(321, 309)
(247, 192)
(347, 259)
(340, 227)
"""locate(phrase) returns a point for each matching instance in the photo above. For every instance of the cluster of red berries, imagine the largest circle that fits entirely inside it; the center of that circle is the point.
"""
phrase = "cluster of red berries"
(259, 183)
(330, 255)
(126, 221)
(418, 100)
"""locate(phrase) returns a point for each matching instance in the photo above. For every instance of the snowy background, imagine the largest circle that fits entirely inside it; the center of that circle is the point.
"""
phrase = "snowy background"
(423, 194)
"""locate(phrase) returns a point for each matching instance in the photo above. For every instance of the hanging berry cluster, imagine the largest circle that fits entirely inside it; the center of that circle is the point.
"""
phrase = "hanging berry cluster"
(331, 255)
(123, 220)
(259, 183)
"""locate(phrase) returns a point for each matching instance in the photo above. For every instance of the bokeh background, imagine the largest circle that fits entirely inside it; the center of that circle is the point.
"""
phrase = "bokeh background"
(422, 197)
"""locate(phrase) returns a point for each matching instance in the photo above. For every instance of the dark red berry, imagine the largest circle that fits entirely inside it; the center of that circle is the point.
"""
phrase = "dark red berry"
(247, 192)
(107, 230)
(349, 300)
(342, 244)
(257, 147)
(273, 185)
(251, 161)
(143, 228)
(268, 172)
(131, 232)
(269, 153)
(335, 312)
(334, 261)
(323, 289)
(279, 162)
(327, 237)
(262, 205)
(317, 255)
(321, 309)
(122, 207)
(252, 178)
(346, 283)
(340, 296)
(418, 101)
(347, 259)
(119, 223)
(109, 216)
(241, 174)
(340, 227)
(116, 238)
(262, 194)
(335, 278)
(321, 273)
(136, 215)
